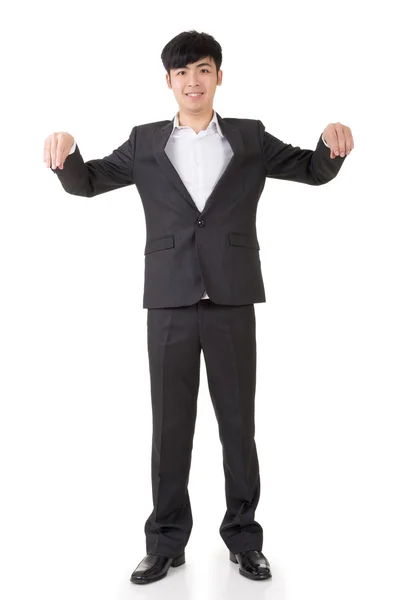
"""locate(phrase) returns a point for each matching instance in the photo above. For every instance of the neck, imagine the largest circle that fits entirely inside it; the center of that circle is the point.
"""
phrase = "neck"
(196, 122)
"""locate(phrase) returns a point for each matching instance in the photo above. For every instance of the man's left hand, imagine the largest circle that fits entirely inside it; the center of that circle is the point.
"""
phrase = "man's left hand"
(339, 139)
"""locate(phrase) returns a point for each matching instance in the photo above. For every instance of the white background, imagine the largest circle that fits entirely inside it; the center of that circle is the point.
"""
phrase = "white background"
(75, 428)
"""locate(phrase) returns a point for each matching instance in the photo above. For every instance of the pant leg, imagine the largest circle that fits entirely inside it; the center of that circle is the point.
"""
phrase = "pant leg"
(228, 340)
(174, 362)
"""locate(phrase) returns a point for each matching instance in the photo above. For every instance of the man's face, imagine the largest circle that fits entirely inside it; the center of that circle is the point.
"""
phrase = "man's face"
(200, 77)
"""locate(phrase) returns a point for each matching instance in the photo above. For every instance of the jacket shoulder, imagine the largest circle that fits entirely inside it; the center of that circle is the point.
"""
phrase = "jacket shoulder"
(147, 127)
(238, 121)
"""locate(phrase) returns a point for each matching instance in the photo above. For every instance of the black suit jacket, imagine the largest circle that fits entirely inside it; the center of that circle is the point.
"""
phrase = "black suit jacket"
(188, 251)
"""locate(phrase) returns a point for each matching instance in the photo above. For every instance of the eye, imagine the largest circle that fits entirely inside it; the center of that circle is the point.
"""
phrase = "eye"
(207, 71)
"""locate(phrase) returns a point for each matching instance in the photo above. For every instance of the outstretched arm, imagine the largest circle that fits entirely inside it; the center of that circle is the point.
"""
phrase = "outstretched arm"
(313, 167)
(99, 175)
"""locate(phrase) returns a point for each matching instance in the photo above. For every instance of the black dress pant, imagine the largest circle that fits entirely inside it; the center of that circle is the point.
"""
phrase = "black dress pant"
(176, 336)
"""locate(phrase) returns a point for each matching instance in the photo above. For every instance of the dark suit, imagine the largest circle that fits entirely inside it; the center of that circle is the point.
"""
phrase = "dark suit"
(187, 252)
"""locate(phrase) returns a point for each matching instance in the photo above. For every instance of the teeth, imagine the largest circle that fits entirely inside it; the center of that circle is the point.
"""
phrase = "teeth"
(193, 94)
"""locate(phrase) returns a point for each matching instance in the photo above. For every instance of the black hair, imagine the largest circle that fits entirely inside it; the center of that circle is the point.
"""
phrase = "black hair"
(189, 47)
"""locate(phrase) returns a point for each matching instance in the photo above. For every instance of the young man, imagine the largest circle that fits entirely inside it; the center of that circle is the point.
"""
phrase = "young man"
(200, 177)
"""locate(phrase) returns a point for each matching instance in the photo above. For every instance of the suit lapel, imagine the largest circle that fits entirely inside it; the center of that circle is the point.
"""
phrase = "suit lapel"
(234, 138)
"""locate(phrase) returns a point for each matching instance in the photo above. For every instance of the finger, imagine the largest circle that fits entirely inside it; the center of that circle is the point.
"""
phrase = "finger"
(53, 151)
(341, 141)
(351, 140)
(348, 141)
(46, 153)
(335, 141)
(60, 151)
(48, 157)
(59, 154)
(331, 147)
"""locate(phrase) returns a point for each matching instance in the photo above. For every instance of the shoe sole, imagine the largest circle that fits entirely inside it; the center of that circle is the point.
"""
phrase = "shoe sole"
(248, 575)
(177, 562)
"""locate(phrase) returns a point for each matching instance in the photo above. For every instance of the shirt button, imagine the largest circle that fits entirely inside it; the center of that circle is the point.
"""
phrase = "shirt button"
(200, 223)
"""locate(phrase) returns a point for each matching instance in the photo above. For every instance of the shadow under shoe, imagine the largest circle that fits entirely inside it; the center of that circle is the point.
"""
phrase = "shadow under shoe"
(154, 567)
(252, 564)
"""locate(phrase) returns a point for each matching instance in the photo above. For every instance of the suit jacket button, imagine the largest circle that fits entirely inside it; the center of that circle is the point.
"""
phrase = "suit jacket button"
(200, 223)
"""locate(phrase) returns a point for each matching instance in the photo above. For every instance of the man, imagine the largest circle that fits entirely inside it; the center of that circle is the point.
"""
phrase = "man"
(200, 177)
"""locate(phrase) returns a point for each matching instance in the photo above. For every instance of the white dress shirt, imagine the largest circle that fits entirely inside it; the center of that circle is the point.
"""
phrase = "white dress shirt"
(199, 158)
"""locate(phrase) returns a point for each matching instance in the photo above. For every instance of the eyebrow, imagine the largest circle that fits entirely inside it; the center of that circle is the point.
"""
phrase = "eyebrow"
(197, 66)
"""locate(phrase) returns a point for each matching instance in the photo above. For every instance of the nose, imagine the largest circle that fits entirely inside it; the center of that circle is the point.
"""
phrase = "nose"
(193, 80)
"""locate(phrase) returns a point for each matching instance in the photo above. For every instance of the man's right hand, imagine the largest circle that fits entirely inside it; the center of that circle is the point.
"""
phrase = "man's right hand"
(56, 149)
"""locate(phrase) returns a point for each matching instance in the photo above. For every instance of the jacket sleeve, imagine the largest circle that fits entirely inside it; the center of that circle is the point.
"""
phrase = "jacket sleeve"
(99, 175)
(284, 161)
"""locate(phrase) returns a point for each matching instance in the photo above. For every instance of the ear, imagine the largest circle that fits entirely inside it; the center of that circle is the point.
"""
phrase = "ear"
(219, 79)
(168, 81)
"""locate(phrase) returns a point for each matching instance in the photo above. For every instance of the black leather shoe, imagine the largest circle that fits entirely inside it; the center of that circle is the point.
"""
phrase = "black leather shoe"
(252, 564)
(154, 567)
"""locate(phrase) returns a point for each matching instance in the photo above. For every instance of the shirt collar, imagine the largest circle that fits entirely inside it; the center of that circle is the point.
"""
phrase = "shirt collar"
(210, 125)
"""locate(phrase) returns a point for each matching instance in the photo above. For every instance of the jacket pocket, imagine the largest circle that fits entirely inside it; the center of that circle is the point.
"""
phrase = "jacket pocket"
(160, 243)
(243, 239)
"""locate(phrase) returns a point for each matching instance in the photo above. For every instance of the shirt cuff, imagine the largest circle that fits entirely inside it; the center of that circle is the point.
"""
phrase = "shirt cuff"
(325, 142)
(73, 148)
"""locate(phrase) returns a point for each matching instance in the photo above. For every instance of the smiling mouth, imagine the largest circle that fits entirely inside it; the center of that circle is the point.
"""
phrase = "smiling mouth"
(194, 95)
